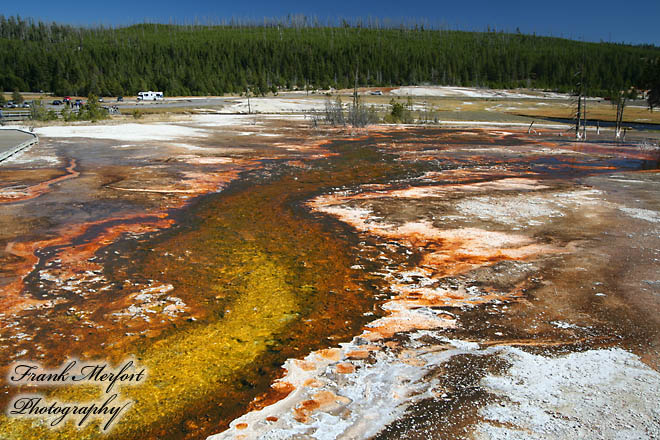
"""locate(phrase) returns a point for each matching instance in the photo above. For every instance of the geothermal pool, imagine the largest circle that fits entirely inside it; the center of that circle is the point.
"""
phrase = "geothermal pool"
(396, 283)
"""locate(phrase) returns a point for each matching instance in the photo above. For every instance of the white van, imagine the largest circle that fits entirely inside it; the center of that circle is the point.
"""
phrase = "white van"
(150, 96)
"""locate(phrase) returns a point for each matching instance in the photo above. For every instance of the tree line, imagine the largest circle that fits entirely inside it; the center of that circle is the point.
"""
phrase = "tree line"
(230, 58)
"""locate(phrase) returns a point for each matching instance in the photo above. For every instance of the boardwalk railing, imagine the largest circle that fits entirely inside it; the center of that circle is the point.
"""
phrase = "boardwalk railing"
(15, 115)
(23, 145)
(23, 115)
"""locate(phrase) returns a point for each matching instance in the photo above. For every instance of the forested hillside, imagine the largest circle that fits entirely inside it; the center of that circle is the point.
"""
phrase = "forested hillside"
(200, 60)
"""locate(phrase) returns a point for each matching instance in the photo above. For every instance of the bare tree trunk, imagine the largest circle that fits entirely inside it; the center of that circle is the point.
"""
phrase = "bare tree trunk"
(617, 127)
(584, 120)
(355, 92)
(620, 106)
(578, 116)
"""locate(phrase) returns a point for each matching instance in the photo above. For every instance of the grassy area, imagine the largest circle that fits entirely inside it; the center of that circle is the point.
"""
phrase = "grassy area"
(595, 111)
(515, 110)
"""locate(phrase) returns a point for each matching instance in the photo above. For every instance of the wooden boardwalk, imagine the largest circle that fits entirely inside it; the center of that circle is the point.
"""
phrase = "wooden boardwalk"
(12, 141)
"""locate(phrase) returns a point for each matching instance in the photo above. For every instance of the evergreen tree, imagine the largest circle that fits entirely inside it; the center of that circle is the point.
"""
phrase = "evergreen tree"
(294, 53)
(17, 97)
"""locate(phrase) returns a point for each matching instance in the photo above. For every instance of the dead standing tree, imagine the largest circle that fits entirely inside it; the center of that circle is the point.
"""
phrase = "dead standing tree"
(359, 115)
(580, 103)
(247, 94)
(334, 112)
(620, 99)
(584, 118)
(576, 116)
(355, 88)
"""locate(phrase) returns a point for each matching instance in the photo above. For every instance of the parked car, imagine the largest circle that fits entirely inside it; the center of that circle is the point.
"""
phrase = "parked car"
(120, 99)
(56, 102)
(67, 99)
(26, 105)
(79, 102)
(377, 92)
(101, 99)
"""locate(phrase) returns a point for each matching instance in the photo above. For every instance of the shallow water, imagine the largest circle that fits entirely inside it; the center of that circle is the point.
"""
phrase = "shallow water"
(261, 281)
(247, 278)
